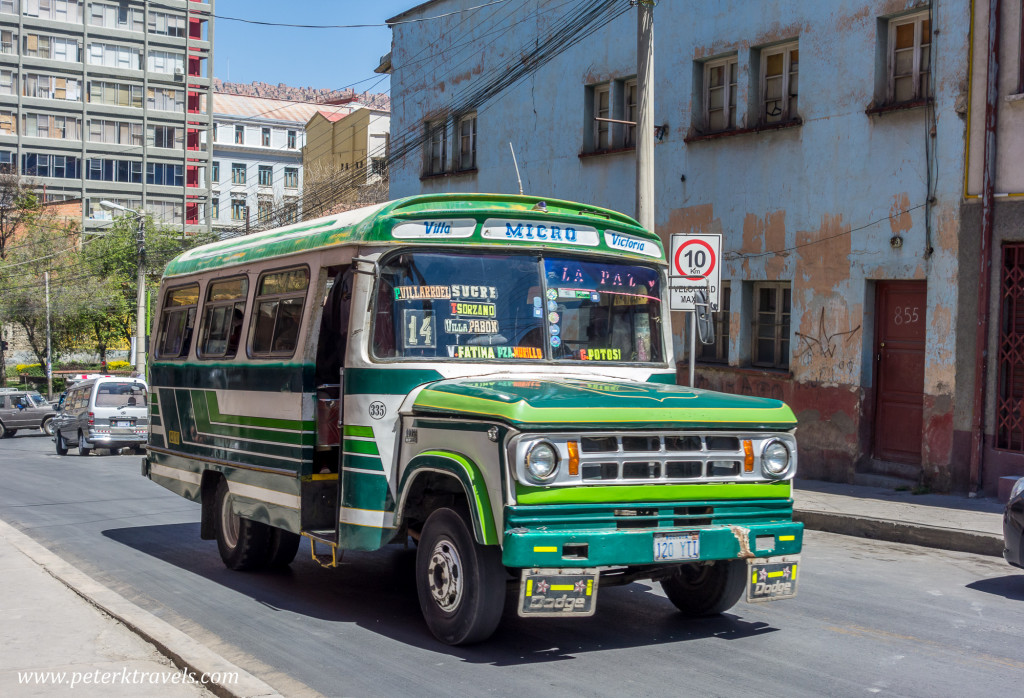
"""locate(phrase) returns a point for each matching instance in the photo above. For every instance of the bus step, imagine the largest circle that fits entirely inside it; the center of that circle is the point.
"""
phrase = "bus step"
(328, 538)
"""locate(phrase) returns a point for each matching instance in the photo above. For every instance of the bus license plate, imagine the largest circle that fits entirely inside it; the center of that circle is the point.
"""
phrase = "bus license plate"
(558, 592)
(676, 546)
(772, 579)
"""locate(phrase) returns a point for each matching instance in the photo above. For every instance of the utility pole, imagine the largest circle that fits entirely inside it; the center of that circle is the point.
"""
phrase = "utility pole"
(140, 300)
(49, 345)
(645, 113)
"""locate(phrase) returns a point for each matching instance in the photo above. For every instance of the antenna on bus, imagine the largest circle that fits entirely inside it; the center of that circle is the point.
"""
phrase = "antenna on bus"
(517, 167)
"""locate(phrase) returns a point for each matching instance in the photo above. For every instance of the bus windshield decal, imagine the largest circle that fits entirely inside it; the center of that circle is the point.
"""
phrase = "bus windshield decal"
(540, 231)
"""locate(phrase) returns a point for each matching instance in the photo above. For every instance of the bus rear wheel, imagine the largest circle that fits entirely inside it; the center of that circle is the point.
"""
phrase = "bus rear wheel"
(460, 583)
(244, 544)
(706, 589)
(282, 548)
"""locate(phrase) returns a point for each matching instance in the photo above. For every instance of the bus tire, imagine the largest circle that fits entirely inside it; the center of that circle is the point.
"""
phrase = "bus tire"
(62, 445)
(460, 584)
(243, 543)
(282, 549)
(84, 448)
(706, 590)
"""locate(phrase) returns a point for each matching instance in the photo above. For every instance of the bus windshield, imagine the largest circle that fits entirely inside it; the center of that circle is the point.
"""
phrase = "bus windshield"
(516, 308)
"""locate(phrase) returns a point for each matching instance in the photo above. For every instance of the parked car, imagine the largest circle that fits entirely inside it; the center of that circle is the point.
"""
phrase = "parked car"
(103, 412)
(1013, 522)
(24, 409)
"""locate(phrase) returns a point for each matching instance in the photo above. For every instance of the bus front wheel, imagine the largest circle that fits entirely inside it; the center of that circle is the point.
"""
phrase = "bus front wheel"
(243, 544)
(706, 590)
(460, 584)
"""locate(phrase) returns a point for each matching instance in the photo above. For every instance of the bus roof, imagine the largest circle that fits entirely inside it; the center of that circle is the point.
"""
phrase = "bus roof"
(462, 219)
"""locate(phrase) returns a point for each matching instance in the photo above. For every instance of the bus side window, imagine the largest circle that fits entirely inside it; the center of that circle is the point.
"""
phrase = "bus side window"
(223, 313)
(383, 322)
(179, 317)
(277, 315)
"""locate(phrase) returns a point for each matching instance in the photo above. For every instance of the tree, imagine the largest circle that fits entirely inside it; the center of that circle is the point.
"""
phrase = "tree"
(112, 255)
(18, 203)
(329, 188)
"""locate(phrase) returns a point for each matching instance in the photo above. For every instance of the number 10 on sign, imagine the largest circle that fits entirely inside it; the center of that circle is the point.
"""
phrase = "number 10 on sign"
(695, 264)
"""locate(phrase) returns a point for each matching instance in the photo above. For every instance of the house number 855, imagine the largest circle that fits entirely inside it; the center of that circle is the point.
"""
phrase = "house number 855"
(905, 316)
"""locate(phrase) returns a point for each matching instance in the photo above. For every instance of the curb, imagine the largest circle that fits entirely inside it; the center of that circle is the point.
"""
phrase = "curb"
(181, 649)
(902, 532)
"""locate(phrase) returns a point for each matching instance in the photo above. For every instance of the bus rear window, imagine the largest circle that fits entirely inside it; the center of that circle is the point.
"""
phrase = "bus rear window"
(179, 317)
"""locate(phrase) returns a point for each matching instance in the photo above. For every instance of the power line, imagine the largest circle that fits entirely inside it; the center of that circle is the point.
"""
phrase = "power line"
(356, 26)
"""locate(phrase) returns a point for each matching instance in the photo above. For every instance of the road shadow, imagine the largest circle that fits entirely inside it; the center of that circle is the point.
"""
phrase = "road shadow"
(941, 501)
(376, 591)
(1010, 586)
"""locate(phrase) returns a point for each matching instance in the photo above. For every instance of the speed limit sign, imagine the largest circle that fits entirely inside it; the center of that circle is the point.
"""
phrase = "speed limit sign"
(696, 264)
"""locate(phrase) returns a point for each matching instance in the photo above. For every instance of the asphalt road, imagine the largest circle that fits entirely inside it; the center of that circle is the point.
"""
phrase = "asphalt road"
(870, 617)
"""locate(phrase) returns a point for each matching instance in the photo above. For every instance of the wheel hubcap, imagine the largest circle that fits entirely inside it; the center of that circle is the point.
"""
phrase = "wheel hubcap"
(445, 575)
(229, 523)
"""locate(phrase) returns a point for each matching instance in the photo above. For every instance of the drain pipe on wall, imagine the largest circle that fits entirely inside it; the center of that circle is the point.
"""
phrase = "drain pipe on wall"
(985, 257)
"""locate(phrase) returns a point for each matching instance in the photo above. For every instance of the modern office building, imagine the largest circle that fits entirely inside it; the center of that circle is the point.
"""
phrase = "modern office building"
(110, 100)
(256, 171)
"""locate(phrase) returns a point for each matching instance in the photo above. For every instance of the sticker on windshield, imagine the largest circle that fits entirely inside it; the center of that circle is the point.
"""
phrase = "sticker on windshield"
(536, 301)
(556, 342)
(468, 292)
(554, 330)
(473, 309)
(419, 293)
(552, 294)
(552, 317)
(600, 354)
(538, 312)
(518, 352)
(419, 329)
(471, 352)
(552, 305)
(455, 326)
(595, 297)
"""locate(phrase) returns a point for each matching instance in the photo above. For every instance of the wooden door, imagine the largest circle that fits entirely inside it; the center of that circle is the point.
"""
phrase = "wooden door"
(900, 309)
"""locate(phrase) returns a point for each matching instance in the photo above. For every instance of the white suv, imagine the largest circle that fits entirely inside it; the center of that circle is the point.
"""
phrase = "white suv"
(105, 412)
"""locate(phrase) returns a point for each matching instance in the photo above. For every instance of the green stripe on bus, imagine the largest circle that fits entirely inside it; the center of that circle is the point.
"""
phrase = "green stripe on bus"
(365, 432)
(366, 491)
(653, 493)
(367, 447)
(205, 426)
(216, 415)
(364, 462)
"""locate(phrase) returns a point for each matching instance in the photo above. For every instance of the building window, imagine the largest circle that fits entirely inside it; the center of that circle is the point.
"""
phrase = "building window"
(718, 353)
(165, 99)
(437, 147)
(467, 142)
(238, 209)
(265, 137)
(779, 77)
(215, 208)
(120, 132)
(164, 137)
(9, 6)
(52, 87)
(237, 173)
(629, 112)
(909, 58)
(293, 140)
(772, 302)
(166, 174)
(290, 212)
(8, 41)
(602, 110)
(239, 135)
(379, 167)
(720, 94)
(291, 177)
(110, 170)
(114, 56)
(215, 171)
(264, 209)
(52, 126)
(8, 123)
(58, 10)
(8, 82)
(7, 161)
(115, 94)
(166, 24)
(60, 166)
(266, 175)
(166, 62)
(116, 16)
(53, 47)
(214, 131)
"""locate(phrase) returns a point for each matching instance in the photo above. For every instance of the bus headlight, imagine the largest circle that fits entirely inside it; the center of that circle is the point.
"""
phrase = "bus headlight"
(541, 462)
(775, 459)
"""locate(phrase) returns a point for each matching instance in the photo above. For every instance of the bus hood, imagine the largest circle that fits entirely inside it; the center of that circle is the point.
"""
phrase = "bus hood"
(535, 403)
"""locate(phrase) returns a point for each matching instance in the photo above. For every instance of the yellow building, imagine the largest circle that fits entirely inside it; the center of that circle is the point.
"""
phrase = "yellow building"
(345, 160)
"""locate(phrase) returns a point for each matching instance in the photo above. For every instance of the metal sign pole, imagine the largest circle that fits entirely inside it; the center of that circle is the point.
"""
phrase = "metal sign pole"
(693, 346)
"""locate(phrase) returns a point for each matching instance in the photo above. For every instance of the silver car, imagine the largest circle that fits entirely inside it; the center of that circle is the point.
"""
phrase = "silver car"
(24, 409)
(105, 412)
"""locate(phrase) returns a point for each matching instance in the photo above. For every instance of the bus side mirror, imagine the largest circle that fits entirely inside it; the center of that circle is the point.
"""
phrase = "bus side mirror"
(705, 327)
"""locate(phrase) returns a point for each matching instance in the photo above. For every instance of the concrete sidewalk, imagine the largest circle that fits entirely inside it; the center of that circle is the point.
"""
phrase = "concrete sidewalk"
(949, 522)
(62, 629)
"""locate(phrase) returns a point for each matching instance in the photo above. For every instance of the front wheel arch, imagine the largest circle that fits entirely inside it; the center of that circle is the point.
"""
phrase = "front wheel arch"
(447, 473)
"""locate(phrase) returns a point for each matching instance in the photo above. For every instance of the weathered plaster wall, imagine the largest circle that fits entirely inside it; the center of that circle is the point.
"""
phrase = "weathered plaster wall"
(815, 204)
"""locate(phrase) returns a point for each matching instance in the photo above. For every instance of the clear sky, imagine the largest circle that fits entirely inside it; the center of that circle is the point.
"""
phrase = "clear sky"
(322, 58)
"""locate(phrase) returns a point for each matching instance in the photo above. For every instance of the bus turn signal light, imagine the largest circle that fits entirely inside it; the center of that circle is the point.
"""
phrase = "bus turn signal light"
(748, 456)
(574, 457)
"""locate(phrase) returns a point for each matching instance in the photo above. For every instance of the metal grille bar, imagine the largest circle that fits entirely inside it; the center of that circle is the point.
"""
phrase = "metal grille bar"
(1010, 394)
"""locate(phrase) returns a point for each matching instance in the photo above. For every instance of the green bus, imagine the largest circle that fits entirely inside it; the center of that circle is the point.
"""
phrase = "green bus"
(490, 376)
